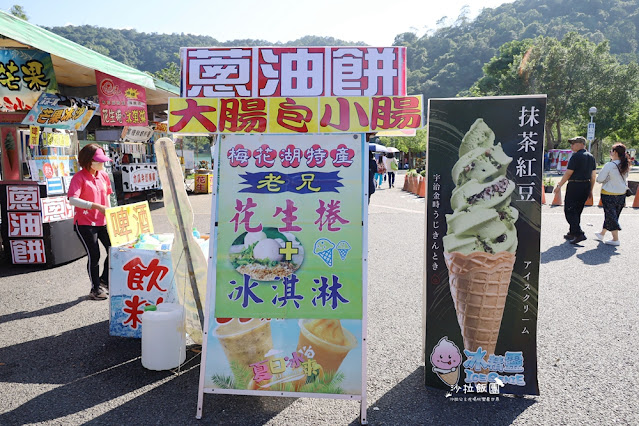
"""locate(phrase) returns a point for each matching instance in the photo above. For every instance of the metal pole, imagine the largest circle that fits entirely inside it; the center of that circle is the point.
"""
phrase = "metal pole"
(590, 140)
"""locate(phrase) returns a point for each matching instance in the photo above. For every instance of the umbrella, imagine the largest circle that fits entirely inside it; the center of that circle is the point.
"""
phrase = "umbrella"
(391, 149)
(377, 147)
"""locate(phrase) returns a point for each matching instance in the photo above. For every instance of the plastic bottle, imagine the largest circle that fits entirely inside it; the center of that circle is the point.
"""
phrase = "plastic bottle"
(196, 233)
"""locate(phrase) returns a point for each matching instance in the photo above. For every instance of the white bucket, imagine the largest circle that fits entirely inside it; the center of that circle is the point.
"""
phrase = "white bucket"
(163, 337)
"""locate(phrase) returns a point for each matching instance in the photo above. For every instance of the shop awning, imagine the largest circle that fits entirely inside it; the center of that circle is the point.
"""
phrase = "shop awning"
(74, 64)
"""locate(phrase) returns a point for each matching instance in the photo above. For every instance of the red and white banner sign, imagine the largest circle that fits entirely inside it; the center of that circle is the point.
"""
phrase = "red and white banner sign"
(23, 197)
(121, 103)
(293, 71)
(27, 251)
(25, 224)
(55, 209)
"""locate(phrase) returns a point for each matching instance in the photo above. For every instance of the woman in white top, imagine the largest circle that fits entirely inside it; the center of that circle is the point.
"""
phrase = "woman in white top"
(614, 177)
(390, 162)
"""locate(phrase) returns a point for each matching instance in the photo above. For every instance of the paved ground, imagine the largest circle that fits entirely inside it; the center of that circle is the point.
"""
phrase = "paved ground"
(58, 365)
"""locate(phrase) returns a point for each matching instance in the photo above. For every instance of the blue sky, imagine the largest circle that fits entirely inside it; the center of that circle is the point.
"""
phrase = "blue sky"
(375, 22)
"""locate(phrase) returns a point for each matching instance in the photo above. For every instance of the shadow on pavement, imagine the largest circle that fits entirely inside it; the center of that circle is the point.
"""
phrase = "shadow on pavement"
(599, 255)
(92, 370)
(560, 252)
(44, 311)
(175, 402)
(8, 270)
(410, 402)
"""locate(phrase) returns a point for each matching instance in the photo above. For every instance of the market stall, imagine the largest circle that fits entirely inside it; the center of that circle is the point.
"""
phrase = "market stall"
(57, 97)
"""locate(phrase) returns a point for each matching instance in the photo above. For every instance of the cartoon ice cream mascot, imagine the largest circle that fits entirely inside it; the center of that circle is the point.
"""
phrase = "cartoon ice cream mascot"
(445, 360)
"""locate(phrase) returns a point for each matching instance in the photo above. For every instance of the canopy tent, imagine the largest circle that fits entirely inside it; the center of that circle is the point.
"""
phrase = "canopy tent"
(75, 65)
(377, 147)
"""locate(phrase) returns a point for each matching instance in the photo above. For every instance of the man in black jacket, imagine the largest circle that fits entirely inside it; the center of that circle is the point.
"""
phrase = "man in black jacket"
(580, 174)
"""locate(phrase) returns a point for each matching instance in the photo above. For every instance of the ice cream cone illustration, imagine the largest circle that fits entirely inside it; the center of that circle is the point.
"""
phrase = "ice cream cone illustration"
(445, 360)
(324, 249)
(479, 285)
(343, 248)
(481, 240)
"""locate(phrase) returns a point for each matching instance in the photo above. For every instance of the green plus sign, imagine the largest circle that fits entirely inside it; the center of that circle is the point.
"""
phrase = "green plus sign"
(289, 250)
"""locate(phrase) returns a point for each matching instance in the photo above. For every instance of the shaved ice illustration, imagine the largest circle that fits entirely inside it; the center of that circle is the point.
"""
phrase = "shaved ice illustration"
(445, 360)
(324, 249)
(343, 248)
(259, 254)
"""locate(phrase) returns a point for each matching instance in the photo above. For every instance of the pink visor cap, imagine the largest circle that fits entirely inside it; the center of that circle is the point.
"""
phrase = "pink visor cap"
(100, 157)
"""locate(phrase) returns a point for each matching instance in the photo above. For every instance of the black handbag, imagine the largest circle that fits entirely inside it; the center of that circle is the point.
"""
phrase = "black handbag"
(629, 193)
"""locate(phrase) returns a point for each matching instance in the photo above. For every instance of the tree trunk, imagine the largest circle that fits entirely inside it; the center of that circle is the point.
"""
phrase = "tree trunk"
(549, 138)
(596, 150)
(558, 132)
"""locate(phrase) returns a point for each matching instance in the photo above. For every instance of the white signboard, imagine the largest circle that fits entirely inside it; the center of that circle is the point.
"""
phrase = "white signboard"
(293, 72)
(140, 177)
(137, 133)
(591, 132)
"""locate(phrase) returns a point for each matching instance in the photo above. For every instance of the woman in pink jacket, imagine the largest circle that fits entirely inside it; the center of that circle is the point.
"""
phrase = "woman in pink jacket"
(89, 194)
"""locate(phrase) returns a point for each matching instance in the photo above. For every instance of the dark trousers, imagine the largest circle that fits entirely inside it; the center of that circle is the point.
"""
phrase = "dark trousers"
(612, 205)
(89, 236)
(576, 196)
(391, 178)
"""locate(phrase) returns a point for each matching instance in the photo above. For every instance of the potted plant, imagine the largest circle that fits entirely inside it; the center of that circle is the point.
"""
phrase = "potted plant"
(412, 180)
(549, 185)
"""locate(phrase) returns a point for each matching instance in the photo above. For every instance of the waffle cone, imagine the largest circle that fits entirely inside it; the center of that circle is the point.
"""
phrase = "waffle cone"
(479, 286)
(450, 378)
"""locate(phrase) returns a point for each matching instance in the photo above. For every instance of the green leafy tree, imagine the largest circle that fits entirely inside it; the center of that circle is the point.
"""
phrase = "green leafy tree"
(444, 62)
(170, 74)
(574, 73)
(19, 12)
(502, 72)
(414, 145)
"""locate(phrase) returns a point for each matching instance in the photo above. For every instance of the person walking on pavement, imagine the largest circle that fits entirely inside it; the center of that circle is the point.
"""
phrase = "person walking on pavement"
(381, 171)
(89, 193)
(580, 175)
(614, 179)
(390, 162)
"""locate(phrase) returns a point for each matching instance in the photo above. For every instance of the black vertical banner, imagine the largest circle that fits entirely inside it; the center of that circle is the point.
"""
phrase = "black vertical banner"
(483, 218)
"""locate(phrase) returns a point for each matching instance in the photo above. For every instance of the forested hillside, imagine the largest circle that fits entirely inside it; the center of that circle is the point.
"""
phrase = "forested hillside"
(450, 59)
(151, 51)
(444, 62)
(579, 52)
